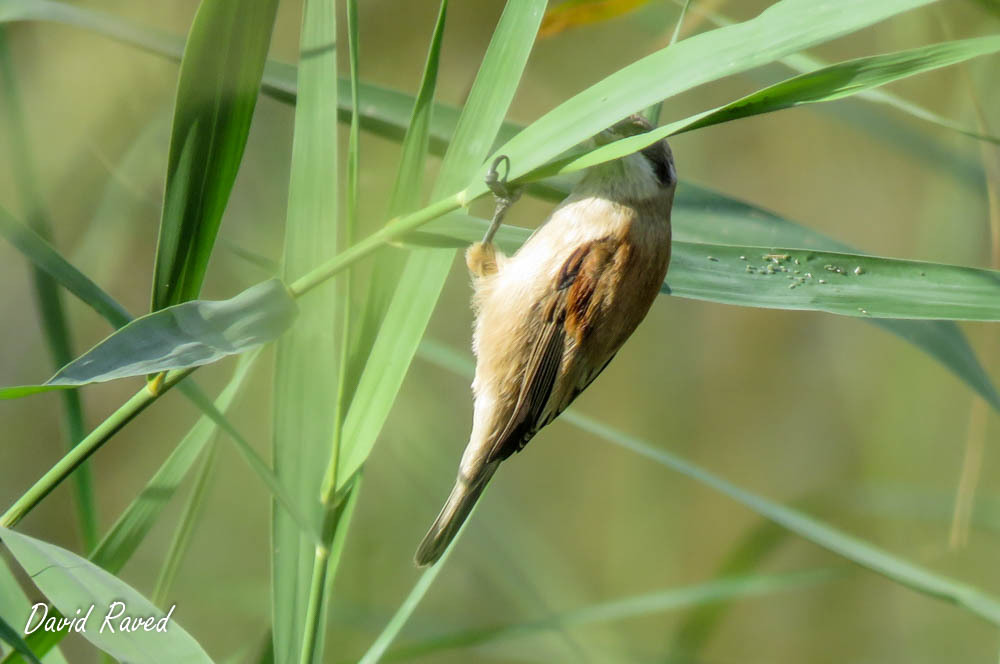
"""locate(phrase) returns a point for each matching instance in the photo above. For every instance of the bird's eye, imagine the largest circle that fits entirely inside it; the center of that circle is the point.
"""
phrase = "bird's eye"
(658, 159)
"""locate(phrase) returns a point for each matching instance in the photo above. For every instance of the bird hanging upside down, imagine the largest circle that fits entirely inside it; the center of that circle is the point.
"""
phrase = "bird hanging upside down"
(551, 317)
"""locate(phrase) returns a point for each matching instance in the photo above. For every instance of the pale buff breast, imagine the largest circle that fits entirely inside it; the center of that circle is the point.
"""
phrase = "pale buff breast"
(508, 320)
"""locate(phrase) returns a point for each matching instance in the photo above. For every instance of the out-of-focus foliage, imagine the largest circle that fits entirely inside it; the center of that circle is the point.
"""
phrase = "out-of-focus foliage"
(582, 550)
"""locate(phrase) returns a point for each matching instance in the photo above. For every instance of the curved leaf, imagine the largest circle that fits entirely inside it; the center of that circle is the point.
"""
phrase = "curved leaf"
(73, 583)
(827, 84)
(43, 256)
(709, 593)
(385, 111)
(783, 28)
(179, 337)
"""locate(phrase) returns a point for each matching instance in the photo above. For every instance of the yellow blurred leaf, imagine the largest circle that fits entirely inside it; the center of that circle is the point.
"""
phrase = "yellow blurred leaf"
(576, 13)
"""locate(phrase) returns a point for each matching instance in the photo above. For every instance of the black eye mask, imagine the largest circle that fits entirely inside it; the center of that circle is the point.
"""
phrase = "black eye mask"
(657, 156)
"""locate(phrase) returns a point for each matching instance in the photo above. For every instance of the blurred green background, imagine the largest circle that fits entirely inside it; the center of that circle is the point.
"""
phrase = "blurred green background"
(865, 428)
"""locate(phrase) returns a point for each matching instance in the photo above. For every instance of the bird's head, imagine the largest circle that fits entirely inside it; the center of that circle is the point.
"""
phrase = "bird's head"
(649, 173)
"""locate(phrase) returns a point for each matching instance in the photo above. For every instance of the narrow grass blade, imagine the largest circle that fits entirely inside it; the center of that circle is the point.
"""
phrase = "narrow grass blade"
(386, 637)
(385, 111)
(131, 528)
(334, 525)
(74, 584)
(425, 271)
(856, 550)
(423, 277)
(305, 378)
(401, 616)
(828, 84)
(216, 94)
(802, 63)
(87, 18)
(12, 637)
(347, 374)
(90, 444)
(806, 63)
(405, 196)
(181, 540)
(693, 634)
(346, 513)
(416, 143)
(43, 256)
(282, 496)
(707, 594)
(15, 607)
(179, 337)
(47, 293)
(847, 546)
(783, 28)
(124, 537)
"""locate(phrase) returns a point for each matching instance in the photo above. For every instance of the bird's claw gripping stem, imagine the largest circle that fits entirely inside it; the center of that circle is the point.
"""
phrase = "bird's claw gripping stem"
(505, 195)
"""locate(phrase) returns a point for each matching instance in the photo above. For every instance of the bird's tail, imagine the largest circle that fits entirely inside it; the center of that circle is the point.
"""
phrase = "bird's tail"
(454, 513)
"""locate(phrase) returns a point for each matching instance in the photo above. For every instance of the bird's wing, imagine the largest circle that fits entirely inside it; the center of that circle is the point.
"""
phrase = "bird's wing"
(565, 311)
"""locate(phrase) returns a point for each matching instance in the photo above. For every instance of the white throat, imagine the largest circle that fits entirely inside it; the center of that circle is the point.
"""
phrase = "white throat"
(629, 178)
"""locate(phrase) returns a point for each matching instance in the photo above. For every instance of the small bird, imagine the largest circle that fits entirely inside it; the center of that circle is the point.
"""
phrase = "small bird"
(550, 317)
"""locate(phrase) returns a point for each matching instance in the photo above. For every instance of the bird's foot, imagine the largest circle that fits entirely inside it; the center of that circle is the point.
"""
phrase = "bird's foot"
(503, 192)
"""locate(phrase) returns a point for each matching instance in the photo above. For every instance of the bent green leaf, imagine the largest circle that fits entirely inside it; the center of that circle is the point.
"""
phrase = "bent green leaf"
(783, 28)
(827, 84)
(182, 336)
(74, 584)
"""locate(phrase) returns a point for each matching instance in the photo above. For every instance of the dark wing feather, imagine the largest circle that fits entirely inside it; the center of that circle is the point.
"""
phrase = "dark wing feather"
(565, 312)
(539, 378)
